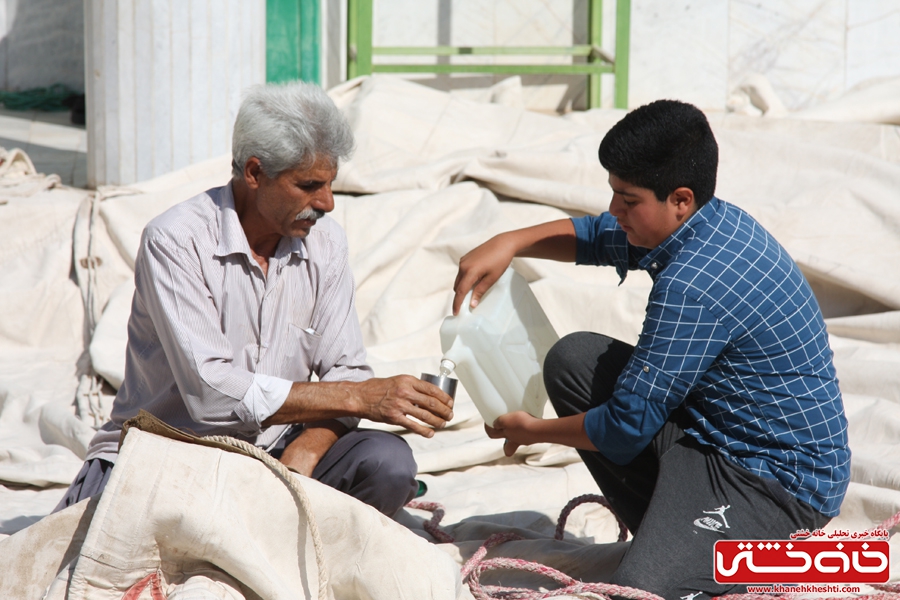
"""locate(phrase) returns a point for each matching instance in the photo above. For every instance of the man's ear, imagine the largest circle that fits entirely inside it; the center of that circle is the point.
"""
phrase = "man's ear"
(682, 200)
(253, 172)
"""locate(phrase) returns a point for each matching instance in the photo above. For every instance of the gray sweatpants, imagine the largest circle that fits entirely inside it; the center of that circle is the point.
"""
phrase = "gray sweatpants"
(677, 497)
(375, 467)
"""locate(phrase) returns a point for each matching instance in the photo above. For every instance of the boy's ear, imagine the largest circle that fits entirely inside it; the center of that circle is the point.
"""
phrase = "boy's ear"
(683, 201)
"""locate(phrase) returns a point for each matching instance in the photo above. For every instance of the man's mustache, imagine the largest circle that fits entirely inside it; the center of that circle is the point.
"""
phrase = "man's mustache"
(310, 214)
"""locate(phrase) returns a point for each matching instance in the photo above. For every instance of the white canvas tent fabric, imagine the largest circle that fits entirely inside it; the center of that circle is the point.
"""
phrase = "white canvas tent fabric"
(434, 175)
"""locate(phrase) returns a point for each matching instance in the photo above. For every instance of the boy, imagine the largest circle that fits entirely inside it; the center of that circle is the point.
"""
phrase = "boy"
(725, 421)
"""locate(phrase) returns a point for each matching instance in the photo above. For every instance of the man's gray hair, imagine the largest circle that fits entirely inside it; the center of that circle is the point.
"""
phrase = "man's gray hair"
(288, 126)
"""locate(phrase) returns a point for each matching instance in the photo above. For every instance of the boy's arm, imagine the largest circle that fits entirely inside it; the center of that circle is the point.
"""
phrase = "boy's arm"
(521, 429)
(480, 268)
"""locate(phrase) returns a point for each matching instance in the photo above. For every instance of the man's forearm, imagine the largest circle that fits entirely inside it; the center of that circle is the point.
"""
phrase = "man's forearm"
(318, 401)
(400, 400)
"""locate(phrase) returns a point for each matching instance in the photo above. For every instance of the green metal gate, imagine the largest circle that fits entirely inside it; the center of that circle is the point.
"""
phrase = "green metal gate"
(360, 52)
(293, 47)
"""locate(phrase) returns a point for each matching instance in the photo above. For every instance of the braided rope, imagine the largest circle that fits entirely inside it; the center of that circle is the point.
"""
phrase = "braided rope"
(570, 586)
(477, 565)
(890, 523)
(574, 502)
(432, 526)
(494, 540)
(283, 472)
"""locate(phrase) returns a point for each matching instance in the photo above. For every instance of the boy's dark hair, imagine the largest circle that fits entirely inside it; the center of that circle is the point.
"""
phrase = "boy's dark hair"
(662, 146)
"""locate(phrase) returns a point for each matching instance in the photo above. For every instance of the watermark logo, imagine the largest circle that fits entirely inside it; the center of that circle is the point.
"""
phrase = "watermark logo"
(802, 561)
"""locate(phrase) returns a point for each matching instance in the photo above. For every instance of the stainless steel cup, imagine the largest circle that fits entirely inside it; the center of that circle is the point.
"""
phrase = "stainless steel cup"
(447, 384)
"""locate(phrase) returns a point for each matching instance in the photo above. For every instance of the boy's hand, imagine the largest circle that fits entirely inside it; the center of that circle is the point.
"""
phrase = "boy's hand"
(518, 429)
(481, 268)
(521, 429)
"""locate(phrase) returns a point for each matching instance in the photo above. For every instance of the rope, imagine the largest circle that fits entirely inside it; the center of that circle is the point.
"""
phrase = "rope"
(494, 540)
(564, 515)
(432, 526)
(890, 523)
(283, 472)
(477, 565)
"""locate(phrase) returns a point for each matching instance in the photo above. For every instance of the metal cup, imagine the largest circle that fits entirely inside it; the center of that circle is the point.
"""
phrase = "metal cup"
(447, 384)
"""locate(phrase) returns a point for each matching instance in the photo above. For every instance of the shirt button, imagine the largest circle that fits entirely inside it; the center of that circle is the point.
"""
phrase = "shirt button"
(654, 265)
(646, 369)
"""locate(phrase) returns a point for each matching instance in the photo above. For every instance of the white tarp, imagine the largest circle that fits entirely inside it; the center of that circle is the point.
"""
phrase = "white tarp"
(193, 514)
(434, 175)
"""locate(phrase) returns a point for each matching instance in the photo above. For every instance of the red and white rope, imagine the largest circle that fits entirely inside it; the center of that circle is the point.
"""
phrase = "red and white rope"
(478, 565)
(579, 500)
(432, 526)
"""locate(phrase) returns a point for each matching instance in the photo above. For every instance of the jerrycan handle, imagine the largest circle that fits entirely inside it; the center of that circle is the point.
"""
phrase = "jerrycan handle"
(466, 303)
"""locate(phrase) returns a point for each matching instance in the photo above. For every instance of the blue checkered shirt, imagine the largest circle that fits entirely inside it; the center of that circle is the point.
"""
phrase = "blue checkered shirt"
(734, 334)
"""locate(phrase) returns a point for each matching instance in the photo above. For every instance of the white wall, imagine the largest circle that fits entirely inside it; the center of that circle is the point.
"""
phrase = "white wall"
(694, 50)
(166, 84)
(809, 50)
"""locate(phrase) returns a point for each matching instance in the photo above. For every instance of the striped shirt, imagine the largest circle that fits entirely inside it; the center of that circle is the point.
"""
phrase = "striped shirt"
(733, 333)
(214, 344)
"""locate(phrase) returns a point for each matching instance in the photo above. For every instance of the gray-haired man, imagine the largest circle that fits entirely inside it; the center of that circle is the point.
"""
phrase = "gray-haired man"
(243, 293)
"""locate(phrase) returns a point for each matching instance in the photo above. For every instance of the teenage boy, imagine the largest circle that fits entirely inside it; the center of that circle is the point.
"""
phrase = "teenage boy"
(725, 421)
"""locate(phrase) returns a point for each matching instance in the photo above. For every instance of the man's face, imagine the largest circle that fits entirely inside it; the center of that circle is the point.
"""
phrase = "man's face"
(293, 201)
(646, 220)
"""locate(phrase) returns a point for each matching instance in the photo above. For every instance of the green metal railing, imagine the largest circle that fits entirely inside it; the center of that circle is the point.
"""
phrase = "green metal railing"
(360, 52)
(292, 40)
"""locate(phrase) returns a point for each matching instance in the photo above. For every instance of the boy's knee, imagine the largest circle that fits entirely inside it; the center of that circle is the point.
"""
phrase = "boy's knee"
(562, 361)
(567, 373)
(567, 351)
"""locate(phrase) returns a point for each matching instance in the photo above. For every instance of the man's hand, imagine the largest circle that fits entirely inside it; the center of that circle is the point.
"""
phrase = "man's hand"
(516, 427)
(481, 268)
(394, 399)
(390, 400)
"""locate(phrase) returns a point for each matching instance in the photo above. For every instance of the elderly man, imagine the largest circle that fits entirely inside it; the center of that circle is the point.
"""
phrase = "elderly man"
(243, 294)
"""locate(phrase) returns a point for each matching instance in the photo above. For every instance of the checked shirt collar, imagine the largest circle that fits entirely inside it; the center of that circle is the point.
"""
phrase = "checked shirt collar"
(657, 259)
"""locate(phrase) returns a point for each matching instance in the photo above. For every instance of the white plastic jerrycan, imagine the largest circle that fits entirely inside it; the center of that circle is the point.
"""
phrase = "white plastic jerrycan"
(498, 349)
